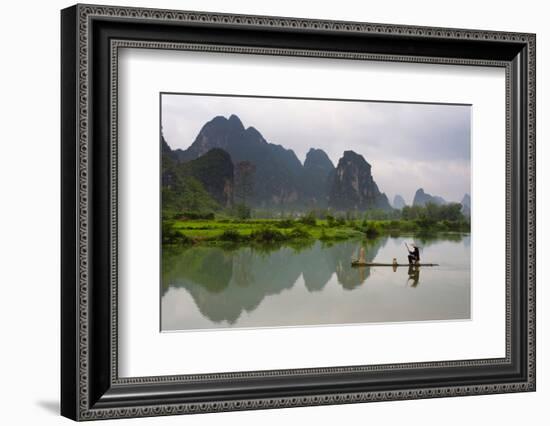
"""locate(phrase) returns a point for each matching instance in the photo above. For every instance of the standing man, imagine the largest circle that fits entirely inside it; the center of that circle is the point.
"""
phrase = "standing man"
(414, 254)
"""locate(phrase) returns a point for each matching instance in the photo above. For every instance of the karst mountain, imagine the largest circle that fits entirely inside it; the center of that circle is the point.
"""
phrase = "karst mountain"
(233, 163)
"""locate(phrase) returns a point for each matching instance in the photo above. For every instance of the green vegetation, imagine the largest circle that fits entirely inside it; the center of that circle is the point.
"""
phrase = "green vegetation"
(434, 212)
(254, 231)
(186, 195)
(196, 211)
(241, 211)
(228, 230)
(195, 189)
(309, 219)
(172, 236)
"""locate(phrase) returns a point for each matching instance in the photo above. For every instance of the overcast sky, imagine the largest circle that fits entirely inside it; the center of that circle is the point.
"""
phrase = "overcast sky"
(408, 145)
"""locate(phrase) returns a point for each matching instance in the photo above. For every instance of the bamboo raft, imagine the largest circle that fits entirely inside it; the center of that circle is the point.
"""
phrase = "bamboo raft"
(357, 263)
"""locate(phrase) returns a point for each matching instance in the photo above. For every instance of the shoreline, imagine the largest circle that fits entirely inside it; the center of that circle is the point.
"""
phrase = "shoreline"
(278, 232)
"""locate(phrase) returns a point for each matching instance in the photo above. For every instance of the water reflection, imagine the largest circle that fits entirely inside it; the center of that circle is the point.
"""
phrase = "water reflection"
(209, 287)
(414, 275)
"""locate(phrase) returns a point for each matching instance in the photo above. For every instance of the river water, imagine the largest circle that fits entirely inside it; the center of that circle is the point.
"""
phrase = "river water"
(209, 288)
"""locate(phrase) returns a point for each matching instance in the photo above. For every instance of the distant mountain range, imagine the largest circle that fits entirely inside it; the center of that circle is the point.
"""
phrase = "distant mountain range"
(269, 175)
(398, 202)
(229, 164)
(421, 198)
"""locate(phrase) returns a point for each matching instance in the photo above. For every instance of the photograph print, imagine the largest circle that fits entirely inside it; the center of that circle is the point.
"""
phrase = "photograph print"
(279, 212)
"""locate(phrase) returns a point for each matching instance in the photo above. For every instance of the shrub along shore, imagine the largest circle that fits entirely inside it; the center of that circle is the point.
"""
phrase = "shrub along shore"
(224, 231)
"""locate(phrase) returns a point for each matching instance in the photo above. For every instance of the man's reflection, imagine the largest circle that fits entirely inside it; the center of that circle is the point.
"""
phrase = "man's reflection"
(414, 275)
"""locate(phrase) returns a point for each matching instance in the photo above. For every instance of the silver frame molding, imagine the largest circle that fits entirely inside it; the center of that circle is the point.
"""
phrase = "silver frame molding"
(91, 388)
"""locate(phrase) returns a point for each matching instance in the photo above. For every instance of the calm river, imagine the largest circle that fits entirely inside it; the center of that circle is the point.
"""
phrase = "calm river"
(206, 288)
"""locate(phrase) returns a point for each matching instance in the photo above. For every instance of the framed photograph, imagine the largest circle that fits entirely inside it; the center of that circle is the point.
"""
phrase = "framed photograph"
(263, 212)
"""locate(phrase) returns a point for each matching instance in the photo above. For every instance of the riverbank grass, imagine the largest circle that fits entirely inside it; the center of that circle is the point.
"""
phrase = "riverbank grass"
(269, 231)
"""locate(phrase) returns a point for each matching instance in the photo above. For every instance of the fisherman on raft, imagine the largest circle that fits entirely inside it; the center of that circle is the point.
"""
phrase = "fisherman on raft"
(414, 254)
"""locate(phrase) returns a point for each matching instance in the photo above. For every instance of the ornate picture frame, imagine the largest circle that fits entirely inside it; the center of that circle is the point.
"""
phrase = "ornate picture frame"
(91, 37)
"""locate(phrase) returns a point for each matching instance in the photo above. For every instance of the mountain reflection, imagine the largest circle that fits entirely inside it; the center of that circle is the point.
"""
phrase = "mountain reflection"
(224, 283)
(349, 277)
(228, 285)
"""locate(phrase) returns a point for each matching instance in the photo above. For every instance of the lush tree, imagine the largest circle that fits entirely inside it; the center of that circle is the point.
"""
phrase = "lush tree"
(242, 211)
(309, 219)
(434, 213)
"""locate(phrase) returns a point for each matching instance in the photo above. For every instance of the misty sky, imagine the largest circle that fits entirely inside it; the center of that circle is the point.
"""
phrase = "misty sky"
(408, 145)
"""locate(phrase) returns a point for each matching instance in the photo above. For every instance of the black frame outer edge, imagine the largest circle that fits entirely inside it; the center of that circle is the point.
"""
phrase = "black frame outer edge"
(69, 318)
